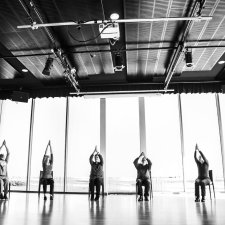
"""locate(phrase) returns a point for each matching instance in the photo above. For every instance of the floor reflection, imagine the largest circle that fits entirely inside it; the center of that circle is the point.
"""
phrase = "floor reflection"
(205, 212)
(46, 213)
(97, 211)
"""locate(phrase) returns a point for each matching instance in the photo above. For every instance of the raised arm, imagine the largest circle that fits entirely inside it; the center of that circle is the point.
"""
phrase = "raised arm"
(7, 151)
(92, 155)
(149, 163)
(43, 160)
(136, 160)
(195, 153)
(203, 156)
(101, 159)
(51, 153)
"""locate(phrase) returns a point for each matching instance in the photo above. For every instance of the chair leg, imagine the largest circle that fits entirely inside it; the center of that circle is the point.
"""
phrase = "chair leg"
(210, 192)
(214, 191)
(103, 193)
(151, 193)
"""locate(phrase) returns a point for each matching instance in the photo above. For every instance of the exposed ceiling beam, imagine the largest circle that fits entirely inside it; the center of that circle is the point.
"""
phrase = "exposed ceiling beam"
(71, 76)
(197, 8)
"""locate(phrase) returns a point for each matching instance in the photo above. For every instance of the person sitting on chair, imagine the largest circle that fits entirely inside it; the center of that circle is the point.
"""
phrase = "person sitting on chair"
(4, 181)
(143, 166)
(47, 164)
(203, 174)
(96, 176)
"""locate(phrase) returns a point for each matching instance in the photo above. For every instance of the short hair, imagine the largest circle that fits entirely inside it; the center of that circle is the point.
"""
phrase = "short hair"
(2, 156)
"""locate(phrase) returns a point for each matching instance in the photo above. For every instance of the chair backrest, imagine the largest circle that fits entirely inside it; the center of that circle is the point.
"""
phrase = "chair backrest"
(211, 175)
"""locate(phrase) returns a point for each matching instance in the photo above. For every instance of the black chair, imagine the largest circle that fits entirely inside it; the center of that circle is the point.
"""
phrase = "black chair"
(41, 182)
(102, 188)
(150, 189)
(211, 183)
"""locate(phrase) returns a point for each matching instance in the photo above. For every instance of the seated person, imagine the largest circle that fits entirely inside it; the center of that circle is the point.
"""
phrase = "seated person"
(203, 174)
(47, 179)
(96, 176)
(4, 181)
(143, 166)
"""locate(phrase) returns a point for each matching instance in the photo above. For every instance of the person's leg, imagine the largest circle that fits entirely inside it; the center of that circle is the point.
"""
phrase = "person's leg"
(203, 183)
(92, 188)
(6, 186)
(140, 191)
(44, 183)
(197, 182)
(51, 183)
(1, 189)
(147, 188)
(98, 186)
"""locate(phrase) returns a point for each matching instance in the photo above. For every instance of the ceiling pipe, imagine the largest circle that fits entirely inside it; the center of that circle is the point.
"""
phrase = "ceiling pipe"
(71, 76)
(198, 5)
(91, 22)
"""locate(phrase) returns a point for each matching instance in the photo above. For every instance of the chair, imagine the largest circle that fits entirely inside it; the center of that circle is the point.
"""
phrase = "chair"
(41, 182)
(102, 188)
(211, 183)
(150, 189)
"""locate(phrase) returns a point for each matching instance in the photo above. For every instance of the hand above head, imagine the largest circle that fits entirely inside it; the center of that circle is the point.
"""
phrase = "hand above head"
(95, 150)
(4, 142)
(196, 147)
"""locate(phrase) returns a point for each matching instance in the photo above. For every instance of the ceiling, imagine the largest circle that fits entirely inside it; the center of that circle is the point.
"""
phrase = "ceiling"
(153, 53)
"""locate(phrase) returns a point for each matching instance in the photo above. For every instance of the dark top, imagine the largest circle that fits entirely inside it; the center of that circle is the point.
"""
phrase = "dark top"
(47, 168)
(96, 167)
(203, 168)
(143, 171)
(3, 167)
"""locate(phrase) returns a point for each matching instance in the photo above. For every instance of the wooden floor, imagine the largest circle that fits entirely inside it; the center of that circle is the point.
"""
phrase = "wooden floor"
(26, 209)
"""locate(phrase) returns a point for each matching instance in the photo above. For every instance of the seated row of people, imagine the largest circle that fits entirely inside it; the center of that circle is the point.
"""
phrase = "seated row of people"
(142, 164)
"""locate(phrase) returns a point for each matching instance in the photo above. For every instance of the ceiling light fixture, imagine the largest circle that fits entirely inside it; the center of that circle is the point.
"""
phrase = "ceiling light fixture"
(25, 70)
(118, 62)
(188, 57)
(221, 62)
(48, 66)
(114, 16)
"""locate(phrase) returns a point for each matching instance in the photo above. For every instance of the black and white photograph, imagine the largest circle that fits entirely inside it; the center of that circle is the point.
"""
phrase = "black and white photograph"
(112, 112)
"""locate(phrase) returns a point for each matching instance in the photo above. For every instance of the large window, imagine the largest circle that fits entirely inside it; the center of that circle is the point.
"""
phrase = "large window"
(122, 143)
(163, 142)
(49, 124)
(83, 135)
(201, 126)
(14, 128)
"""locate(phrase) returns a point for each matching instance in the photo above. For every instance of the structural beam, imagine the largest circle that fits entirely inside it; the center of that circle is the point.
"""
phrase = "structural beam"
(68, 72)
(197, 8)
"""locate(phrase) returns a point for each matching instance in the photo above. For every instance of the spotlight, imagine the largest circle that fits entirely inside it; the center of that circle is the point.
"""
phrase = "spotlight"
(118, 62)
(114, 16)
(188, 58)
(48, 66)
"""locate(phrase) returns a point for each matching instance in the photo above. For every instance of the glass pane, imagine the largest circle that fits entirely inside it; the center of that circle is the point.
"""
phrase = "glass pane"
(201, 126)
(163, 142)
(83, 135)
(14, 128)
(122, 143)
(49, 124)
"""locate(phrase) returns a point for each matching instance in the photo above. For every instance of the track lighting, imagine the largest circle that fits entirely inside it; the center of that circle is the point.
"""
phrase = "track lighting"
(118, 62)
(188, 58)
(48, 66)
